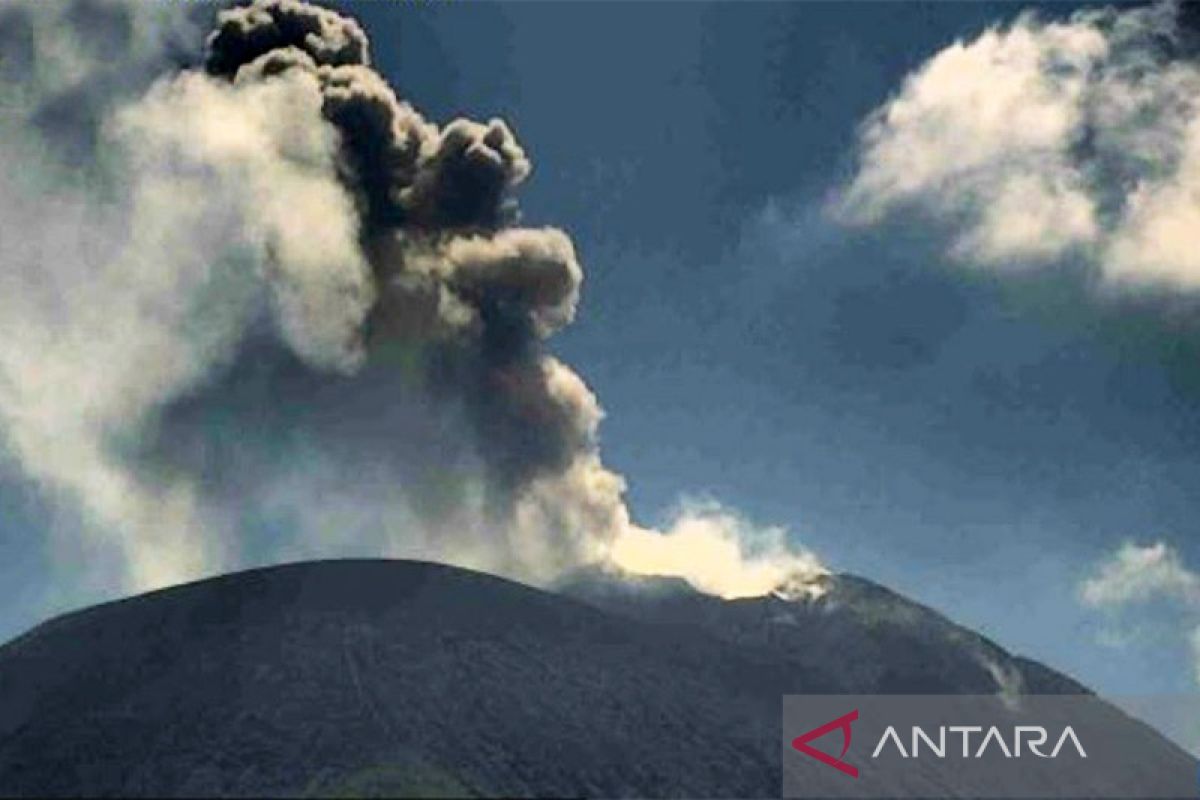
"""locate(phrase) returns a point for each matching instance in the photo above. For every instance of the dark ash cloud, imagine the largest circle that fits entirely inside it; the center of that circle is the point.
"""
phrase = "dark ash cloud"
(325, 326)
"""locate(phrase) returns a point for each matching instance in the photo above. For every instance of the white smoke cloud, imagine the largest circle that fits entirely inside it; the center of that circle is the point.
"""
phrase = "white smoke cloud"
(719, 552)
(1136, 574)
(112, 317)
(264, 155)
(280, 315)
(1041, 142)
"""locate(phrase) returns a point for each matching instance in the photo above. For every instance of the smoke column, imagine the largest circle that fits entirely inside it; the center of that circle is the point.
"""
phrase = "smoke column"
(284, 315)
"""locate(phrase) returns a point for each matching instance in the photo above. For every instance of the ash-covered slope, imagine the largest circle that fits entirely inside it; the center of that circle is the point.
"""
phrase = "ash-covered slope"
(850, 636)
(394, 677)
(380, 677)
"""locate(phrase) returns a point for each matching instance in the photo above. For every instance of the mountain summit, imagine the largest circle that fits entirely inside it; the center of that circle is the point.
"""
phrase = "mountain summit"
(400, 677)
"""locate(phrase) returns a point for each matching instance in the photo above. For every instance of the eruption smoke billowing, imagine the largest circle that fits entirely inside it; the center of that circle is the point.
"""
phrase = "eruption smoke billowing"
(289, 316)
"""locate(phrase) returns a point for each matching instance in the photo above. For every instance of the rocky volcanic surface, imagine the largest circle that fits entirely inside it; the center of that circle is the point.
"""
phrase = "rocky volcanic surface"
(399, 677)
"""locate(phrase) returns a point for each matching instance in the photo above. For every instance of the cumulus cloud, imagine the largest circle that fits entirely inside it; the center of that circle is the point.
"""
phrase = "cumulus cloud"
(1041, 142)
(284, 315)
(1136, 574)
(1070, 143)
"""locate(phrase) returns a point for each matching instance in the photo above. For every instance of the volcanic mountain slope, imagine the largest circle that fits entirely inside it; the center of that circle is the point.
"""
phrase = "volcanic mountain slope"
(395, 677)
(847, 634)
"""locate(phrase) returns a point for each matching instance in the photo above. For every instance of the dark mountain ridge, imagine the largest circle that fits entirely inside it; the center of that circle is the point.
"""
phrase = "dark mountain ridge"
(863, 637)
(400, 677)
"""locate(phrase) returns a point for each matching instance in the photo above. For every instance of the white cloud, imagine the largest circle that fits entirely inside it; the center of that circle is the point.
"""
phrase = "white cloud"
(1136, 573)
(1195, 641)
(1157, 241)
(1039, 141)
(1041, 144)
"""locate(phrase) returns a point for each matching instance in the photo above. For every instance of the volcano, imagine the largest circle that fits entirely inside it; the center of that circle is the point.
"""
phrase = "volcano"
(411, 678)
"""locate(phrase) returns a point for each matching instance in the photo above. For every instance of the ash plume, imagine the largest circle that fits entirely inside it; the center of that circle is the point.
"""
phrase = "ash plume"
(314, 324)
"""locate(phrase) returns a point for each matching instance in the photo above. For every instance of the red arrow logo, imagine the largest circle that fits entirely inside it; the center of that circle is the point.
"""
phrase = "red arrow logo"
(801, 743)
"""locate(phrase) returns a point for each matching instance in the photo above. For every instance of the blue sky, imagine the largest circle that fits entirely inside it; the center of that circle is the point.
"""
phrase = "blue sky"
(974, 442)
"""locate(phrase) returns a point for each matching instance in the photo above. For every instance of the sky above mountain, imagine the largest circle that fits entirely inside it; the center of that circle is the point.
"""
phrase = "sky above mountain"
(793, 310)
(977, 442)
